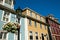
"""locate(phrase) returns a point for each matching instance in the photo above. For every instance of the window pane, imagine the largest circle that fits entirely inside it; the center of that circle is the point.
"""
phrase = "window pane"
(40, 25)
(6, 19)
(29, 22)
(30, 13)
(35, 24)
(1, 35)
(6, 13)
(45, 26)
(6, 16)
(31, 37)
(42, 36)
(30, 33)
(37, 37)
(4, 35)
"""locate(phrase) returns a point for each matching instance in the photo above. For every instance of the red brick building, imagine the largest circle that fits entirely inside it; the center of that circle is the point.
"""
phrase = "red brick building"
(54, 27)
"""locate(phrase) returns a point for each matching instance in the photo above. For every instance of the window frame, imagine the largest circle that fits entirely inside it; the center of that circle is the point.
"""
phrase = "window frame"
(40, 25)
(30, 35)
(36, 35)
(45, 27)
(35, 23)
(30, 22)
(6, 17)
(31, 13)
(3, 35)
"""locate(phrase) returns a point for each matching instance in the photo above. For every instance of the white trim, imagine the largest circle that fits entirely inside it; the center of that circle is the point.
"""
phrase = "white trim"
(20, 36)
(9, 17)
(26, 29)
(2, 16)
(7, 36)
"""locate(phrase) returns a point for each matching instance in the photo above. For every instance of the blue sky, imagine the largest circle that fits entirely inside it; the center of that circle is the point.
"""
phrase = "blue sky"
(43, 7)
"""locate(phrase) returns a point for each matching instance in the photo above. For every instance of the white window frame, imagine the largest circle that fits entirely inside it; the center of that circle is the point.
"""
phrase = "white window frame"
(3, 36)
(8, 18)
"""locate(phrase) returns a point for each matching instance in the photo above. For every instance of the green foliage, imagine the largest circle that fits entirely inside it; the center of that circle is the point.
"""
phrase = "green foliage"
(11, 27)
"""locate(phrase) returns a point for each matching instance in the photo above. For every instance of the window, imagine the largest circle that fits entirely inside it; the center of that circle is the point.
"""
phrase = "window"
(50, 22)
(47, 37)
(31, 35)
(42, 36)
(53, 30)
(40, 25)
(3, 35)
(40, 18)
(6, 16)
(35, 24)
(8, 1)
(53, 37)
(45, 26)
(36, 16)
(29, 21)
(30, 13)
(36, 35)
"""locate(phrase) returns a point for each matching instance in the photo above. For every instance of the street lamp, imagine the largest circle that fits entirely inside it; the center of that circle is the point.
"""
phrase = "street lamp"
(19, 12)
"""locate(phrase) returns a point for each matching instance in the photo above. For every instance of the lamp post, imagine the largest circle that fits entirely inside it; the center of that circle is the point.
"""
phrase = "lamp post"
(19, 12)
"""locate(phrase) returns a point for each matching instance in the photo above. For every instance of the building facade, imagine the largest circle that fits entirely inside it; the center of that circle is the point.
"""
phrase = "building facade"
(54, 27)
(33, 26)
(6, 16)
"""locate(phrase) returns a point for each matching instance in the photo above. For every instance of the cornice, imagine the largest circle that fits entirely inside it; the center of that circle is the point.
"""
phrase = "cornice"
(53, 20)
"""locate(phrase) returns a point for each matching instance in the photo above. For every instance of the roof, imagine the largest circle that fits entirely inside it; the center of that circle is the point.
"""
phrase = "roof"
(53, 20)
(32, 11)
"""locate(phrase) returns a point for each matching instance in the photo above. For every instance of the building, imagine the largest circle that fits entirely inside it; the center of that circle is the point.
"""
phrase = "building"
(33, 26)
(54, 27)
(6, 16)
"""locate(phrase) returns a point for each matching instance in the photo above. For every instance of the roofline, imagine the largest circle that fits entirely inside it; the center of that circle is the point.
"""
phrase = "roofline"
(32, 10)
(52, 20)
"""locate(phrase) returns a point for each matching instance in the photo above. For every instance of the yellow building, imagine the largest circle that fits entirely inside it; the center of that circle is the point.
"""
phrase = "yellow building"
(36, 26)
